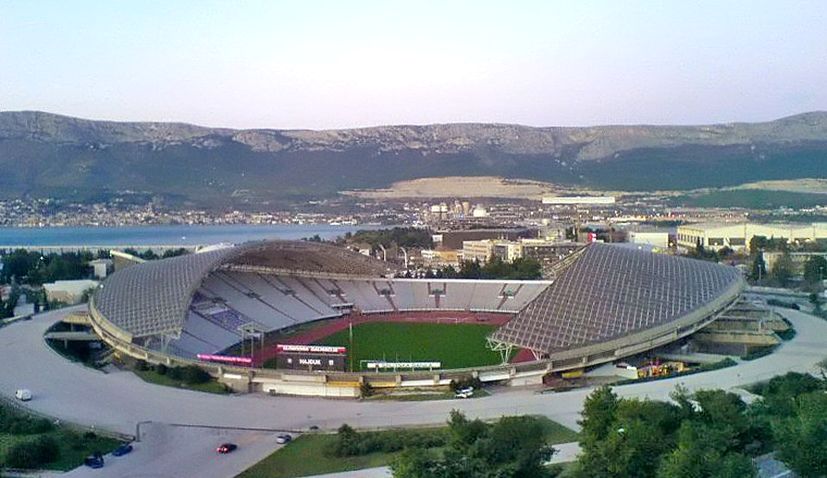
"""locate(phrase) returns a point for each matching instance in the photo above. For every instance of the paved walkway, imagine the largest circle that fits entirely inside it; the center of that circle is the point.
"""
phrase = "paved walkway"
(118, 401)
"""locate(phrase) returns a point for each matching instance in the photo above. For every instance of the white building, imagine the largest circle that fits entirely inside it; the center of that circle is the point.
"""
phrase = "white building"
(737, 236)
(101, 267)
(652, 238)
(68, 291)
(578, 200)
(478, 250)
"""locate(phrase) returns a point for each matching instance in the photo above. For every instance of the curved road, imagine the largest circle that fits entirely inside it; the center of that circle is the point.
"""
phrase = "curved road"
(118, 401)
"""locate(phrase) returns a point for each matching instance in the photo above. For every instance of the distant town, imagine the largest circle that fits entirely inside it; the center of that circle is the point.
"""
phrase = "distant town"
(460, 213)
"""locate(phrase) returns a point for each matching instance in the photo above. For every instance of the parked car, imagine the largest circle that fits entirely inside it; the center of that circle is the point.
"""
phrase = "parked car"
(122, 450)
(225, 448)
(464, 394)
(94, 460)
(23, 394)
(283, 439)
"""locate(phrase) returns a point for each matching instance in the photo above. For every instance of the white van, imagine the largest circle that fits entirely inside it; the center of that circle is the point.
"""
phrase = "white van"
(23, 394)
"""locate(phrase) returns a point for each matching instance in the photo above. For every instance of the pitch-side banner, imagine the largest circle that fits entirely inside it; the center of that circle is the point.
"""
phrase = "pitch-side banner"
(314, 349)
(396, 365)
(226, 358)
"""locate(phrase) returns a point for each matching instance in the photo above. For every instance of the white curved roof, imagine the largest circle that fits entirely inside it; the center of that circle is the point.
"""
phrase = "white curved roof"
(610, 292)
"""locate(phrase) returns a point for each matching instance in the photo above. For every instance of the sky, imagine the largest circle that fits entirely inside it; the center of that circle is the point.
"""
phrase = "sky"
(337, 64)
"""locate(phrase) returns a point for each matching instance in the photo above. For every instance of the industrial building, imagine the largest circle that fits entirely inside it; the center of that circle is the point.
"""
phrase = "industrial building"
(454, 239)
(737, 236)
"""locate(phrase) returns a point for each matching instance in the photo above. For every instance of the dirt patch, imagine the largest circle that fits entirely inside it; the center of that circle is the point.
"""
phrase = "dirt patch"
(462, 187)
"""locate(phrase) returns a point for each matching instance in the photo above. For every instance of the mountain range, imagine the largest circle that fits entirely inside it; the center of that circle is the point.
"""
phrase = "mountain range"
(48, 155)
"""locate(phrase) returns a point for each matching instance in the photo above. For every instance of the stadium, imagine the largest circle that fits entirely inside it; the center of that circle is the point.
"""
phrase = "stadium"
(296, 317)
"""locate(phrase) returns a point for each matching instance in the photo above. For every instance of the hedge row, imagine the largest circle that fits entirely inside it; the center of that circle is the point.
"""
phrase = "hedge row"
(189, 374)
(349, 442)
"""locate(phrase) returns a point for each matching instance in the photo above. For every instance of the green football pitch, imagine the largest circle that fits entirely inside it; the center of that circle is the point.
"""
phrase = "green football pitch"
(455, 345)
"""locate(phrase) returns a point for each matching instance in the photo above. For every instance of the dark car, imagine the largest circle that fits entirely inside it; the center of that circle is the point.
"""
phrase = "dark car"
(94, 460)
(226, 447)
(122, 450)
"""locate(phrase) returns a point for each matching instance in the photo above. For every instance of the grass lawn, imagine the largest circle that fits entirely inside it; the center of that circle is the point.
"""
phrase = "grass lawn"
(279, 336)
(74, 447)
(152, 376)
(306, 455)
(556, 433)
(455, 345)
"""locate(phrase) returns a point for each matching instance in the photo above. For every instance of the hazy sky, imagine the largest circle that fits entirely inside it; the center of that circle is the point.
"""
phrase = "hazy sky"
(319, 64)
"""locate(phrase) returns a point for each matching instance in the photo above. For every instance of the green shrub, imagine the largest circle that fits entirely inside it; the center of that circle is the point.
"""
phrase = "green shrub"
(758, 353)
(474, 382)
(788, 334)
(349, 442)
(141, 365)
(33, 453)
(193, 374)
(161, 369)
(781, 303)
(365, 390)
(174, 373)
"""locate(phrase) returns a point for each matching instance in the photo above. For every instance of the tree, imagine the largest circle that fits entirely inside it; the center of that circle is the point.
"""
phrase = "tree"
(724, 412)
(815, 270)
(780, 392)
(598, 416)
(513, 447)
(802, 439)
(759, 267)
(815, 299)
(782, 270)
(700, 455)
(700, 252)
(516, 444)
(702, 435)
(757, 243)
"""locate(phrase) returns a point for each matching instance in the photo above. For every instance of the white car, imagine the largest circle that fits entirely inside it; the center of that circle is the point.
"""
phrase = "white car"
(282, 439)
(23, 394)
(464, 394)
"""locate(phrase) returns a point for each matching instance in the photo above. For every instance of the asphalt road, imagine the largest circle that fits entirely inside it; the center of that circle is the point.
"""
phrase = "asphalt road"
(168, 451)
(118, 401)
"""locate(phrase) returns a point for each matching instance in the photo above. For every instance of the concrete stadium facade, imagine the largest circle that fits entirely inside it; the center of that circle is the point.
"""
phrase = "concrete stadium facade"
(167, 311)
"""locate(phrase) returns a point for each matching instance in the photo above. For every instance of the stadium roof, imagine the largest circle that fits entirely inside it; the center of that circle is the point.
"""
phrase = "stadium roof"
(152, 298)
(609, 292)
